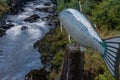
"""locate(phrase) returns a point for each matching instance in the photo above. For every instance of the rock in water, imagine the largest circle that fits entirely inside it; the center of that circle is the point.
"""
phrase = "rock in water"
(32, 18)
(24, 27)
(47, 3)
(2, 32)
(9, 21)
(7, 26)
(46, 9)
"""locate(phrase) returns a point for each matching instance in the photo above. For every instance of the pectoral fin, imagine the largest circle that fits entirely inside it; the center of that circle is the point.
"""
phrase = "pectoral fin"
(61, 27)
(80, 6)
(95, 25)
(69, 38)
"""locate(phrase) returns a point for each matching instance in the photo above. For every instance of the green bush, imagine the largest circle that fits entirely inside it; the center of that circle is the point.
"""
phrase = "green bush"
(101, 77)
(57, 60)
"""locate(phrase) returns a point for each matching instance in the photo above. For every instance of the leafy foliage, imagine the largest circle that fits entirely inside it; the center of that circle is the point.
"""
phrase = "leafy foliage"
(56, 62)
(105, 13)
(4, 1)
(66, 4)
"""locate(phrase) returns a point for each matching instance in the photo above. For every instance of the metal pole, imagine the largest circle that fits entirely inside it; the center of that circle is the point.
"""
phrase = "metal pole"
(79, 6)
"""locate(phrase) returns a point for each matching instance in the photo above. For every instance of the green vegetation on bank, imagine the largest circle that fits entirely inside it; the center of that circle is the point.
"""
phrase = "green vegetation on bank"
(51, 48)
(4, 7)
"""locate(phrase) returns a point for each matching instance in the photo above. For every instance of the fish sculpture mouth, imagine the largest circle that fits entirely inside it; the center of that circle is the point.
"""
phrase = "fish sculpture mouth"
(83, 32)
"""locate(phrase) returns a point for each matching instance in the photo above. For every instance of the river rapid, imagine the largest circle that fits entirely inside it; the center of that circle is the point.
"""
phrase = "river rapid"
(17, 54)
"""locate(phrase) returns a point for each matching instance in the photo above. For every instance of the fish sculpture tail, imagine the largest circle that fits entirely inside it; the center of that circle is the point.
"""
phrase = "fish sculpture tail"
(112, 54)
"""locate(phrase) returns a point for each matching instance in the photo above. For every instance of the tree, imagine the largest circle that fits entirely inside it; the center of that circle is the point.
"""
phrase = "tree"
(107, 14)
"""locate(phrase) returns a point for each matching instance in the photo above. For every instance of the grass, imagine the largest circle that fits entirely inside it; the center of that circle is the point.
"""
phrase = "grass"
(3, 7)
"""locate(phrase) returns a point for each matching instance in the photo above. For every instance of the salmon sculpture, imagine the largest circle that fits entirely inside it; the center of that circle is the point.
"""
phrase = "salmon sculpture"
(83, 32)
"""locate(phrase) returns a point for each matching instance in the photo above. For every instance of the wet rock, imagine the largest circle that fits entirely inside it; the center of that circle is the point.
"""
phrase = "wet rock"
(47, 4)
(37, 74)
(9, 21)
(53, 21)
(46, 18)
(32, 18)
(42, 9)
(51, 10)
(2, 32)
(7, 26)
(16, 6)
(46, 9)
(54, 2)
(24, 27)
(50, 23)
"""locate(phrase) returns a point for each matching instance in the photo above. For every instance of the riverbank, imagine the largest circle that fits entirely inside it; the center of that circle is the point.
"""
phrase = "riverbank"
(12, 6)
(52, 48)
(9, 7)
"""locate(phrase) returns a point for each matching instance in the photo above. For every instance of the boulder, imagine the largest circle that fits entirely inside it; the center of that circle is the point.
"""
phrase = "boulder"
(54, 2)
(53, 20)
(32, 18)
(2, 32)
(9, 21)
(46, 18)
(37, 74)
(51, 10)
(7, 26)
(47, 4)
(16, 6)
(24, 27)
(46, 9)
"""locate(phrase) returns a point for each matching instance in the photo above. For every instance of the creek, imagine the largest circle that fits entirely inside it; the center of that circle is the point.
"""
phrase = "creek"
(17, 54)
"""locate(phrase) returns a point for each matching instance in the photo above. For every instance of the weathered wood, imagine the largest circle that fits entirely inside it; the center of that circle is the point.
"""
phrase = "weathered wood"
(73, 65)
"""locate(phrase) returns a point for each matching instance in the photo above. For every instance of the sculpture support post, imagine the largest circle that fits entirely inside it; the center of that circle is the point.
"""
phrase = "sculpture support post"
(73, 65)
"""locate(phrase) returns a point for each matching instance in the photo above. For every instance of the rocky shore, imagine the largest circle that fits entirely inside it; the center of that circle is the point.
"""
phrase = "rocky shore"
(16, 6)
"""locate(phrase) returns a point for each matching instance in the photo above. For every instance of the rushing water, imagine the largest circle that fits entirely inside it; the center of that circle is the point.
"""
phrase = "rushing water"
(17, 55)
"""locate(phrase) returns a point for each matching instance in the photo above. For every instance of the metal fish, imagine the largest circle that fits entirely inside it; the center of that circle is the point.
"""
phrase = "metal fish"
(83, 32)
